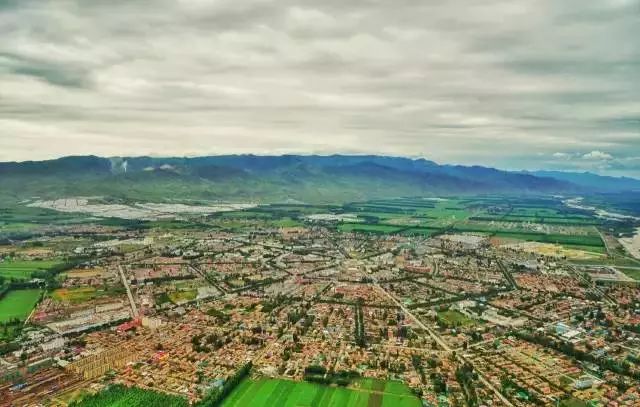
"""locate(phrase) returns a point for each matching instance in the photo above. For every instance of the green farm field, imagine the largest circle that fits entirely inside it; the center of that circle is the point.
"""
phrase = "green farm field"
(22, 269)
(18, 304)
(424, 212)
(285, 393)
(368, 228)
(415, 216)
(631, 272)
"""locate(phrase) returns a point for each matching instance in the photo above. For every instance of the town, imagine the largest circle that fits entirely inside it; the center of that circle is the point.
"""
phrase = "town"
(447, 319)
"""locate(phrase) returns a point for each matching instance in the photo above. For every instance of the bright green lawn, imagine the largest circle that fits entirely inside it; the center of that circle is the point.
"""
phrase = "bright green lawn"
(285, 393)
(18, 304)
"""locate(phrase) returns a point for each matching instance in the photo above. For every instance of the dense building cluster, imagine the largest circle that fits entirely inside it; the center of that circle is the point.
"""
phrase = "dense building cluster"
(459, 319)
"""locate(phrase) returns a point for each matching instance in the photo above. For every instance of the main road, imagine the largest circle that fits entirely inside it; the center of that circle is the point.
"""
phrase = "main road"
(134, 309)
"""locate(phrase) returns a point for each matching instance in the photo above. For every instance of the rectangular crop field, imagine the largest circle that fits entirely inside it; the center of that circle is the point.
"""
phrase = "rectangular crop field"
(285, 393)
(631, 272)
(22, 269)
(74, 295)
(368, 228)
(18, 304)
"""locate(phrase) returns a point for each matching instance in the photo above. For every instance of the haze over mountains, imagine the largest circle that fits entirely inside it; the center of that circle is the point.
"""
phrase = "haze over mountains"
(280, 178)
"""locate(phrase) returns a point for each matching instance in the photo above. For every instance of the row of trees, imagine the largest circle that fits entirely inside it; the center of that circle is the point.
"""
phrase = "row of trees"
(215, 397)
(465, 376)
(319, 374)
(360, 335)
(133, 396)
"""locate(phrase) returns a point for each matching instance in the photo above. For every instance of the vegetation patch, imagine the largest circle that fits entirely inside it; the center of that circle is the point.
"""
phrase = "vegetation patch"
(121, 396)
(452, 318)
(17, 304)
(368, 228)
(23, 269)
(182, 296)
(286, 393)
(631, 272)
(75, 295)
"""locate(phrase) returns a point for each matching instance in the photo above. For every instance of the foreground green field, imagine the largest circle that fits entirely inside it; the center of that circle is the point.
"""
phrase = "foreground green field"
(18, 304)
(22, 269)
(285, 393)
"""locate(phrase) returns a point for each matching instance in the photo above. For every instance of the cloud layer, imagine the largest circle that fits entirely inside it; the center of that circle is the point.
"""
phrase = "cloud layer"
(516, 84)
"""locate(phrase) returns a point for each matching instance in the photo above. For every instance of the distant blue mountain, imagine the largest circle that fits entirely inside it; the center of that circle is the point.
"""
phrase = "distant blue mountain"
(593, 181)
(311, 178)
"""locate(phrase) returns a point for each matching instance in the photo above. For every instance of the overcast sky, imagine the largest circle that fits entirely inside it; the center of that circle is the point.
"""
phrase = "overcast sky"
(551, 84)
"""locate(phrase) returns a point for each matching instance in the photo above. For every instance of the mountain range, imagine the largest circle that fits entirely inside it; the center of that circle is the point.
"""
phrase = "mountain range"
(306, 178)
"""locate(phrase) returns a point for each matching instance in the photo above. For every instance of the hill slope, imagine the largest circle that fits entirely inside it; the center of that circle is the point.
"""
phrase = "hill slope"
(272, 178)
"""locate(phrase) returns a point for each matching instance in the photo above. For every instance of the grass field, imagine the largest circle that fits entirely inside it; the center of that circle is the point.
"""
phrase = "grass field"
(409, 212)
(631, 272)
(22, 269)
(18, 304)
(367, 228)
(285, 393)
(455, 318)
(74, 295)
(183, 295)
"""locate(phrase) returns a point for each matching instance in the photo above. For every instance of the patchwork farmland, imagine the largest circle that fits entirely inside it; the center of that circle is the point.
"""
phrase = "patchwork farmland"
(544, 220)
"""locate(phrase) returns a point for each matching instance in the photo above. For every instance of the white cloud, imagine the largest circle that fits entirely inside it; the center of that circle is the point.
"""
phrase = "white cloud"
(597, 155)
(497, 84)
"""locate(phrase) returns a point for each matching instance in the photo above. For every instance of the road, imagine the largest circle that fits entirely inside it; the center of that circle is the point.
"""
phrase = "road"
(446, 347)
(507, 275)
(604, 240)
(576, 273)
(134, 309)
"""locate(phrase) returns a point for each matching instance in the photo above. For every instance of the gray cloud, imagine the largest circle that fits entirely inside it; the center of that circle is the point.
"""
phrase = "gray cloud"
(499, 83)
